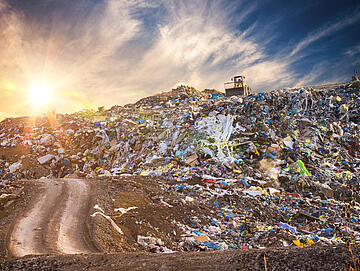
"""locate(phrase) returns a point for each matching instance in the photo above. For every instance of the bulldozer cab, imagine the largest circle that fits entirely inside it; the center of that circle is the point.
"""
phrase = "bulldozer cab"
(237, 87)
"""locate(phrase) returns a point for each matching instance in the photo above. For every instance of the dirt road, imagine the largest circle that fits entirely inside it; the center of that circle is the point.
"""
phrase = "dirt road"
(56, 221)
(52, 222)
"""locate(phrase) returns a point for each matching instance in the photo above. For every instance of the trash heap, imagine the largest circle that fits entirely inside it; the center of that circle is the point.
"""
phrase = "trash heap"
(278, 168)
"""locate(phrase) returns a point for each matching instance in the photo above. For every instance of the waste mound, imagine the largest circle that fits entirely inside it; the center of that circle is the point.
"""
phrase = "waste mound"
(279, 168)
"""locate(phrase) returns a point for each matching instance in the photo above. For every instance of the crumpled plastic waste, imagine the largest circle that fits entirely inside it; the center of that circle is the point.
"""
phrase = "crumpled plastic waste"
(272, 169)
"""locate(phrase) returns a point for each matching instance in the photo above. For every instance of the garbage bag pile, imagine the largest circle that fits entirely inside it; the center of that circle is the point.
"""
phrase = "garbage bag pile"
(287, 161)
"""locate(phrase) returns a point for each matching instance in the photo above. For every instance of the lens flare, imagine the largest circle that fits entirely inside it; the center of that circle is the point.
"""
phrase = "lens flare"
(40, 94)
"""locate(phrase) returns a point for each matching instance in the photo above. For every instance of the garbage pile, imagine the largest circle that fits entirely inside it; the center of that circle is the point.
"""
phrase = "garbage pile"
(278, 168)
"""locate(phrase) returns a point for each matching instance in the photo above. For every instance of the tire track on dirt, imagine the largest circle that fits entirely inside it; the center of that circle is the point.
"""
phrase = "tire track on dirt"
(72, 238)
(56, 222)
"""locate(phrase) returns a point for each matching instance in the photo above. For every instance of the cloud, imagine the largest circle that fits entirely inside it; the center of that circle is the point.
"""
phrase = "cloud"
(353, 51)
(2, 6)
(73, 56)
(312, 76)
(196, 45)
(326, 31)
(115, 52)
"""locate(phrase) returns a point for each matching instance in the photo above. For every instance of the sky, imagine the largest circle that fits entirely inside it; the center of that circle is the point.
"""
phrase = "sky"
(91, 53)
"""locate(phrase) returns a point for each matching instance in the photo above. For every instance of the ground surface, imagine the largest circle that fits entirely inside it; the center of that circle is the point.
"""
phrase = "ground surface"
(276, 259)
(56, 221)
(52, 224)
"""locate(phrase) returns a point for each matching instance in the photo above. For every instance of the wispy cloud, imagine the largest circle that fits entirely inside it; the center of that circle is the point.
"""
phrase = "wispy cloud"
(197, 45)
(353, 51)
(119, 51)
(75, 57)
(326, 31)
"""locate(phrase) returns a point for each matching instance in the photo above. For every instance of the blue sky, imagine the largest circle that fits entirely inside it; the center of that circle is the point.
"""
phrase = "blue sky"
(106, 52)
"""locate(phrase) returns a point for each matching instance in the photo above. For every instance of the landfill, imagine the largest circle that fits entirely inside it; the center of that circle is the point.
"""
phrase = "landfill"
(272, 169)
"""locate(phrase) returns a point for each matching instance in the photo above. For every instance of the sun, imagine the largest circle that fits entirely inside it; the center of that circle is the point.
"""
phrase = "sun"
(40, 94)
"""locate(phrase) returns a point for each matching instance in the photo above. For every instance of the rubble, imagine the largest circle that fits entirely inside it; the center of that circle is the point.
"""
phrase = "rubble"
(280, 168)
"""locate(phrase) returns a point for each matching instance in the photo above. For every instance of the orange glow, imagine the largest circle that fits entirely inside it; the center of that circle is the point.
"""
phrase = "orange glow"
(40, 94)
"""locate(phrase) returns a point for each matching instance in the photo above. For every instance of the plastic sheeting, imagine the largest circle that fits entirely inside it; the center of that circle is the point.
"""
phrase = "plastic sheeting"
(217, 130)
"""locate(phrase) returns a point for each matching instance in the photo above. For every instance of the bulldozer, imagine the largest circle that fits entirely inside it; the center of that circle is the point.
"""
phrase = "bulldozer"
(237, 87)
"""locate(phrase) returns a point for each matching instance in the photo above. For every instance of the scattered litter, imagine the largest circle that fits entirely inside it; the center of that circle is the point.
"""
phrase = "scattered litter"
(277, 168)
